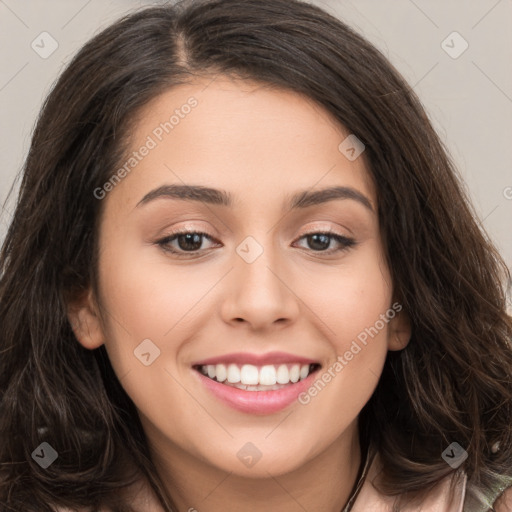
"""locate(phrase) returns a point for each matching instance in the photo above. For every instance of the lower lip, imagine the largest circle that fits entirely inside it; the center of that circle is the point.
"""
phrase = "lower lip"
(257, 402)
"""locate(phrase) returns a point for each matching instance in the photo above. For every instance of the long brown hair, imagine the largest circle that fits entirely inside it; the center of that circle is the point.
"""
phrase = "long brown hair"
(451, 383)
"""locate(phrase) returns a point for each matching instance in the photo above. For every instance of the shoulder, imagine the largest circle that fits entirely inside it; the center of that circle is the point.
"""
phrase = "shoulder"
(439, 499)
(504, 502)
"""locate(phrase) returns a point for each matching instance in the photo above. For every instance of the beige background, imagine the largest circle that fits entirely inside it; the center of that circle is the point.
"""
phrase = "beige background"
(468, 98)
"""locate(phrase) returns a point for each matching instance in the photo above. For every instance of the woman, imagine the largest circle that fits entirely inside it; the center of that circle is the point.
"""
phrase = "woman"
(336, 337)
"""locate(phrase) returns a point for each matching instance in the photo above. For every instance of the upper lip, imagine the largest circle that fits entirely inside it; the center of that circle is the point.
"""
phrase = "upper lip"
(255, 359)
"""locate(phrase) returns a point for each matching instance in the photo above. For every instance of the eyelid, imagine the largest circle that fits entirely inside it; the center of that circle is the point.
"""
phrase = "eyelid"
(345, 242)
(318, 227)
(315, 228)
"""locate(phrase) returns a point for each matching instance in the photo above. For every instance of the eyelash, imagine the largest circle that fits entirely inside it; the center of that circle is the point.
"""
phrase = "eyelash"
(345, 242)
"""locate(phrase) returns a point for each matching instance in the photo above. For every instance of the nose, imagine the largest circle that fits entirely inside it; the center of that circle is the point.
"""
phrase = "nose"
(260, 293)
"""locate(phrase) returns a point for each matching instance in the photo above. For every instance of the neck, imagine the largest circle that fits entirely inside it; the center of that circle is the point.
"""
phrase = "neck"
(324, 482)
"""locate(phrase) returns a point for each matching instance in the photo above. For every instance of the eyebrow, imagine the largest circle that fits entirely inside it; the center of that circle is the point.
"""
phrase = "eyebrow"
(301, 199)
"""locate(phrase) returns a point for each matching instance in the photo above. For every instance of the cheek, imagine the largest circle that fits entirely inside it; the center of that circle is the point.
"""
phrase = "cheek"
(145, 297)
(357, 336)
(354, 317)
(351, 299)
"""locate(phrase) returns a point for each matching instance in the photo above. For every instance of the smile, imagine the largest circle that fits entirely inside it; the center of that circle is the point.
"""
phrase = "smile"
(256, 383)
(257, 378)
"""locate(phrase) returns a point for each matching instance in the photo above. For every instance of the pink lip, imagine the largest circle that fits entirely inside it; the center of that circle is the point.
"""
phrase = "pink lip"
(257, 402)
(255, 359)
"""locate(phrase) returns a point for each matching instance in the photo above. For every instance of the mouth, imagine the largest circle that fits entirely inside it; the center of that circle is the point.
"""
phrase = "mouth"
(250, 377)
(254, 383)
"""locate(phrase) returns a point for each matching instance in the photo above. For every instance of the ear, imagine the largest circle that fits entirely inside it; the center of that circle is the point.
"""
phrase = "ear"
(85, 320)
(399, 328)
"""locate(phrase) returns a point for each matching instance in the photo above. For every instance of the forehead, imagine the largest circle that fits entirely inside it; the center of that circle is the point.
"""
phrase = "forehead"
(244, 136)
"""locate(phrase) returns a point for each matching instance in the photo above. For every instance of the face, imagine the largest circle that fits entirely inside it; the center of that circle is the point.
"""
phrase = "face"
(278, 287)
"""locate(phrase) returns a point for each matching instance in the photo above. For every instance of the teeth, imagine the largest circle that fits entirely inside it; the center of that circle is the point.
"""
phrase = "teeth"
(221, 372)
(282, 375)
(267, 375)
(249, 374)
(295, 373)
(233, 373)
(253, 377)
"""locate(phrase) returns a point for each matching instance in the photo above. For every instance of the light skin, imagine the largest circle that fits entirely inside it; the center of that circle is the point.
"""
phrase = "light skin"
(261, 145)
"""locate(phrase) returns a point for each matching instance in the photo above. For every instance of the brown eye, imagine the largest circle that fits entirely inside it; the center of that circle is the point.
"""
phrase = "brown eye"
(320, 242)
(187, 242)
